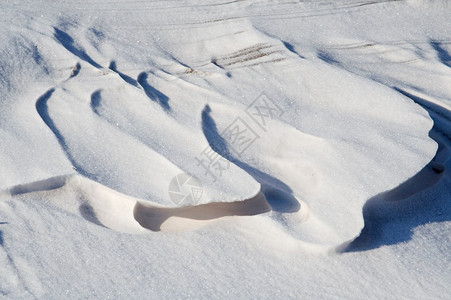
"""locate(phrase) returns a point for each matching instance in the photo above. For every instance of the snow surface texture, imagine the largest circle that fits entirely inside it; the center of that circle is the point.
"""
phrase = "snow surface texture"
(317, 133)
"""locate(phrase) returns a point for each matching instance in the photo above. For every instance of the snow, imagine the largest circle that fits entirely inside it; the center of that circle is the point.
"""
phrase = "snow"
(337, 185)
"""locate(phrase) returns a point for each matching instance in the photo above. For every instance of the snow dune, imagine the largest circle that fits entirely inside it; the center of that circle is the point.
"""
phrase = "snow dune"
(106, 207)
(196, 133)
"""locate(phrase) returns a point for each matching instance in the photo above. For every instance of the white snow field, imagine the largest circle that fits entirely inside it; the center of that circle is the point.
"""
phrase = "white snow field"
(225, 149)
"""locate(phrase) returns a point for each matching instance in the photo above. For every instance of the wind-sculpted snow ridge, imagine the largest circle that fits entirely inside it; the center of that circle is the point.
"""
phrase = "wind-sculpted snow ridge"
(408, 199)
(99, 156)
(104, 206)
(215, 117)
(215, 140)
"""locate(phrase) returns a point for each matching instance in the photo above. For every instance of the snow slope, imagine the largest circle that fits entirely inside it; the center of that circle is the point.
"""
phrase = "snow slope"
(317, 134)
